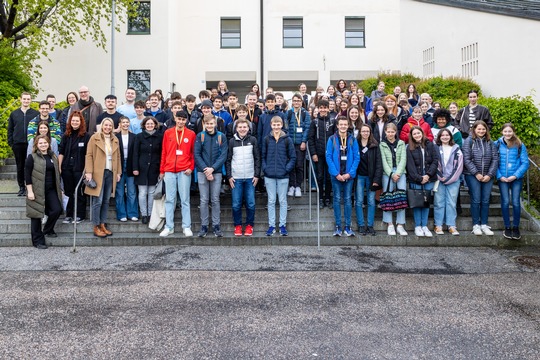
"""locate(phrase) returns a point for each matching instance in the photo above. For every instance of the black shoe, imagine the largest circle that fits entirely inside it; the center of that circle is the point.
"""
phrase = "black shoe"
(507, 233)
(21, 191)
(362, 230)
(51, 234)
(321, 204)
(516, 235)
(329, 204)
(145, 219)
(41, 246)
(371, 231)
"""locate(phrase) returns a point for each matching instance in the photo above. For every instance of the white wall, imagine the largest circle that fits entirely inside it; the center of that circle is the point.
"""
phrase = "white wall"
(508, 47)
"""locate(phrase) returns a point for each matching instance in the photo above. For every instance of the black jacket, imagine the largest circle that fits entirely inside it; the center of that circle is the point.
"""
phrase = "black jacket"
(73, 148)
(430, 163)
(375, 169)
(17, 125)
(320, 131)
(147, 157)
(375, 128)
(131, 143)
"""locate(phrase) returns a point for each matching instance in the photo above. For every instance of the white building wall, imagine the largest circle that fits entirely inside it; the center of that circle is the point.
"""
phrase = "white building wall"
(508, 47)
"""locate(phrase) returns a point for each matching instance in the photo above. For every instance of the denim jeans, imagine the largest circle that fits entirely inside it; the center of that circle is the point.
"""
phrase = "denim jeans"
(362, 183)
(209, 192)
(421, 214)
(277, 187)
(243, 190)
(146, 199)
(444, 204)
(100, 205)
(401, 184)
(479, 193)
(126, 206)
(177, 183)
(511, 191)
(342, 190)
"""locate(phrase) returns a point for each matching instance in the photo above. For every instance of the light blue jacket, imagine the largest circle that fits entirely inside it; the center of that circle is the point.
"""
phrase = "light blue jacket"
(512, 161)
(333, 155)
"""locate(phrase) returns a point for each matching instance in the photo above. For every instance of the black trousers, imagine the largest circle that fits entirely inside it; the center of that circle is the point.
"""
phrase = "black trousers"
(53, 209)
(71, 178)
(297, 174)
(323, 178)
(19, 150)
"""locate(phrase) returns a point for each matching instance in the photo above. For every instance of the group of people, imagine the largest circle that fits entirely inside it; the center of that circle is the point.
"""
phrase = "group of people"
(358, 144)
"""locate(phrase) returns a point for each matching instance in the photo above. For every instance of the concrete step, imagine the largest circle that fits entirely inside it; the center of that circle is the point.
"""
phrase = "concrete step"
(8, 161)
(8, 168)
(259, 239)
(8, 176)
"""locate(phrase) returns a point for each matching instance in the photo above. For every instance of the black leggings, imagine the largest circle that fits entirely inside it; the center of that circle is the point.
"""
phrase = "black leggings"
(53, 209)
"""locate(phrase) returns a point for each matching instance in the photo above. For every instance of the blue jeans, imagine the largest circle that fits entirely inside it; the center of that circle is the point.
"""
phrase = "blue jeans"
(511, 191)
(444, 204)
(100, 205)
(401, 184)
(243, 190)
(177, 183)
(342, 189)
(126, 206)
(479, 193)
(279, 187)
(421, 214)
(362, 183)
(209, 192)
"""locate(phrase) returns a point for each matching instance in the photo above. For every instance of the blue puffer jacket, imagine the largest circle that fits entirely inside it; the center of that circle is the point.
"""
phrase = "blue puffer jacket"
(298, 137)
(333, 156)
(210, 151)
(512, 161)
(264, 127)
(278, 157)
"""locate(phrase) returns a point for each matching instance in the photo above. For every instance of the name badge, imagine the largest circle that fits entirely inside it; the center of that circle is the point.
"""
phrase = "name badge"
(81, 144)
(365, 150)
(299, 130)
(343, 157)
(179, 152)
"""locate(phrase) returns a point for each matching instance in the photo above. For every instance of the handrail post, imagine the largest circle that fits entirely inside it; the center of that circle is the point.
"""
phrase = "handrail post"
(74, 250)
(312, 172)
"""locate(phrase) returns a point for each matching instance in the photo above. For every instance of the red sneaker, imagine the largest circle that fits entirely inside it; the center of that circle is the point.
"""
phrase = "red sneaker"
(249, 230)
(238, 230)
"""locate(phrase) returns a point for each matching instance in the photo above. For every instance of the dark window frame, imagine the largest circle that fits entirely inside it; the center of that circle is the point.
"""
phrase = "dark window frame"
(292, 27)
(140, 87)
(140, 24)
(351, 31)
(222, 32)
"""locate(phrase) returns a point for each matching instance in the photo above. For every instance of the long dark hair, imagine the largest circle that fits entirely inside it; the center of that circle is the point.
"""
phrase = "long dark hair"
(439, 142)
(371, 140)
(475, 125)
(412, 143)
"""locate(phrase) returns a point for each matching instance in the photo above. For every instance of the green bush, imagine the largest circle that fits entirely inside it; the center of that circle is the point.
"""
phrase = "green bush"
(390, 80)
(14, 73)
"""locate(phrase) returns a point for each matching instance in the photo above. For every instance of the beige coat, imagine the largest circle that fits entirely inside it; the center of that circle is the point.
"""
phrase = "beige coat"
(96, 159)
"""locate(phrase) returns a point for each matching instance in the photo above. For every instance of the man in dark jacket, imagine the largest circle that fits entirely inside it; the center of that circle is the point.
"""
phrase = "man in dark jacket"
(89, 108)
(17, 125)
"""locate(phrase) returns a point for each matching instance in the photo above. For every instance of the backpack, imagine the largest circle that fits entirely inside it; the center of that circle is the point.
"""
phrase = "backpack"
(219, 137)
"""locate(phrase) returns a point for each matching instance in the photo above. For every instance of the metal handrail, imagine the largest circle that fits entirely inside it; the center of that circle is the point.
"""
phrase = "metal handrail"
(312, 172)
(74, 250)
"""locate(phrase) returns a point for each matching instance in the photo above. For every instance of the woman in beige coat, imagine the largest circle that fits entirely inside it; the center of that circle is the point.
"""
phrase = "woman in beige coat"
(103, 166)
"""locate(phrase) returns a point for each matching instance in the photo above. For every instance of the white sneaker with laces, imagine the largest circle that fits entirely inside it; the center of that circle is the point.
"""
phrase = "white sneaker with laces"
(297, 192)
(391, 230)
(426, 231)
(476, 230)
(188, 232)
(418, 231)
(166, 232)
(486, 230)
(401, 230)
(291, 191)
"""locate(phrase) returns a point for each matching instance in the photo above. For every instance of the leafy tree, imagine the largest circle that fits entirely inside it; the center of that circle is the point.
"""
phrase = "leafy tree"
(14, 74)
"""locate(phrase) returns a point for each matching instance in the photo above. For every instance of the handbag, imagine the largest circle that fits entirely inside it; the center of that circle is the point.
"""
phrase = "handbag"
(419, 198)
(160, 189)
(393, 200)
(91, 184)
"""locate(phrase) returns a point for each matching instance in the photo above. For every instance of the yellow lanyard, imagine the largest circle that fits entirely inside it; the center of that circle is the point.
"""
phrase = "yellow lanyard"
(251, 113)
(343, 143)
(297, 116)
(181, 138)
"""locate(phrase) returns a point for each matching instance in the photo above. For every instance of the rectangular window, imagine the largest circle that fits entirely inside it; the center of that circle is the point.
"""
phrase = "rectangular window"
(139, 21)
(293, 32)
(354, 32)
(140, 81)
(230, 33)
(469, 60)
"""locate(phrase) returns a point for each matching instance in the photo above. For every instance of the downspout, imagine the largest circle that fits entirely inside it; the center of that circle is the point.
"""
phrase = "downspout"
(262, 45)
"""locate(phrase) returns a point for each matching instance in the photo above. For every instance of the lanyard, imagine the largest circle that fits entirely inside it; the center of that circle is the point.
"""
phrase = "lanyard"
(251, 114)
(181, 138)
(343, 142)
(297, 116)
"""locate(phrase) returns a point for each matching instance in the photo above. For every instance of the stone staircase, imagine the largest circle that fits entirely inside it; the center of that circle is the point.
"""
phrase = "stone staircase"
(15, 227)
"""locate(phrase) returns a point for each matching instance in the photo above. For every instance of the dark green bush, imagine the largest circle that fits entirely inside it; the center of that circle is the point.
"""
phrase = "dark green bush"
(14, 73)
(390, 80)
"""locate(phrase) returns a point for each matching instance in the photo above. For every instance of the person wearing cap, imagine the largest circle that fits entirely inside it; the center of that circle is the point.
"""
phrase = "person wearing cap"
(177, 165)
(206, 109)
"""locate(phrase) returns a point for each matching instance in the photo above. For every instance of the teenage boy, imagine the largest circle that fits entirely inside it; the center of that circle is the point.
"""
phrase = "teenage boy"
(342, 157)
(194, 114)
(110, 112)
(303, 93)
(44, 115)
(135, 122)
(128, 108)
(17, 126)
(206, 109)
(320, 130)
(264, 127)
(299, 122)
(176, 106)
(220, 112)
(177, 164)
(253, 111)
(156, 111)
(232, 104)
(241, 113)
(278, 159)
(203, 95)
(210, 155)
(55, 113)
(243, 168)
(280, 102)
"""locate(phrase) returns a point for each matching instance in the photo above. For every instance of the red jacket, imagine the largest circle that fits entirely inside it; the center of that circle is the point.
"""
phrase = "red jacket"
(413, 122)
(171, 161)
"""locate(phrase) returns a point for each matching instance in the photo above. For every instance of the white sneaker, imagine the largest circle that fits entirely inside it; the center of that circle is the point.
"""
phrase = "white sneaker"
(134, 218)
(486, 230)
(418, 231)
(188, 232)
(476, 230)
(426, 231)
(298, 192)
(401, 230)
(391, 230)
(123, 219)
(291, 191)
(166, 232)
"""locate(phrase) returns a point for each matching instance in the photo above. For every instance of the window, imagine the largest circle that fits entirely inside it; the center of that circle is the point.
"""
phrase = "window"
(230, 33)
(293, 32)
(428, 61)
(139, 21)
(140, 81)
(354, 32)
(469, 60)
